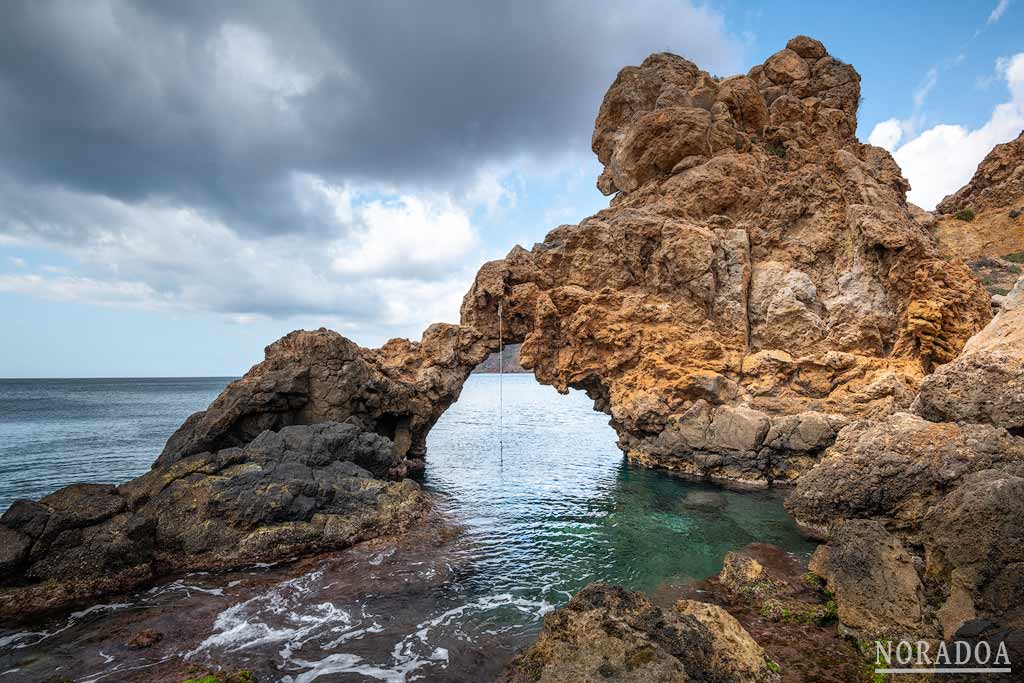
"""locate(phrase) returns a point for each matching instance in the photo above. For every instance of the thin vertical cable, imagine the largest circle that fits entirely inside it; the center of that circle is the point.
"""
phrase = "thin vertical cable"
(501, 373)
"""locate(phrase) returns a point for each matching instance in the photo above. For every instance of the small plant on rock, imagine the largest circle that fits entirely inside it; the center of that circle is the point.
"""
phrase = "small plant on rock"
(964, 214)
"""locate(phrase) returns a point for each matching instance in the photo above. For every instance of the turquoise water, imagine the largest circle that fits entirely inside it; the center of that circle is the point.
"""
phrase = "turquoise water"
(560, 506)
(545, 505)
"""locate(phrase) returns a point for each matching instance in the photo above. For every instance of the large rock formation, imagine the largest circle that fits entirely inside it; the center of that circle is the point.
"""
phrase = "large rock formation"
(397, 391)
(298, 490)
(983, 222)
(757, 280)
(986, 383)
(923, 513)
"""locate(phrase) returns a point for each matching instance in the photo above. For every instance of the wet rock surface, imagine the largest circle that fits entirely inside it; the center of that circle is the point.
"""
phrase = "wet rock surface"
(788, 611)
(302, 489)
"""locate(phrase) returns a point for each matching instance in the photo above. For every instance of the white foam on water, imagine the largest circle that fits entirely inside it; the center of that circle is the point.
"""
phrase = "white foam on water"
(23, 639)
(281, 615)
(121, 668)
(344, 663)
(379, 558)
(414, 651)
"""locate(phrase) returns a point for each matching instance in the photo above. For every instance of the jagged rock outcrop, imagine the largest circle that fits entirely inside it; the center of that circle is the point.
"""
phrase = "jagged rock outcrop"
(878, 590)
(299, 490)
(609, 633)
(757, 281)
(757, 275)
(897, 469)
(923, 532)
(983, 222)
(986, 383)
(397, 391)
(923, 516)
(997, 184)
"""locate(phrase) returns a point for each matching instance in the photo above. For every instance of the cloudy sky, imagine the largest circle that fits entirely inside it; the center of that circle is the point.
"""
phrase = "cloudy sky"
(183, 182)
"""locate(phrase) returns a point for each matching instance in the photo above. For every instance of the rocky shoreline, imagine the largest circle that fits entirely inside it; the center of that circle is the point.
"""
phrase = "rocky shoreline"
(759, 305)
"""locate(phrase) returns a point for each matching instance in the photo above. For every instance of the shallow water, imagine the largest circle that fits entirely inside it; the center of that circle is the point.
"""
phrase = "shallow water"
(544, 506)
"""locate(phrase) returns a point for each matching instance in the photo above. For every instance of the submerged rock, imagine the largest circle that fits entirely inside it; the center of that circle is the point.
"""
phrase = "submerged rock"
(299, 490)
(608, 633)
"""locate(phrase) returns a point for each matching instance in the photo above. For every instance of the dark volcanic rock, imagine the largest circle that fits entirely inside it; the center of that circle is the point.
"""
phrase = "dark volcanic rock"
(397, 391)
(299, 490)
(606, 633)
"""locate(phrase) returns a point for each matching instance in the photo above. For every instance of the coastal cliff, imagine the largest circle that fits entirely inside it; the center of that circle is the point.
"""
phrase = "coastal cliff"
(758, 305)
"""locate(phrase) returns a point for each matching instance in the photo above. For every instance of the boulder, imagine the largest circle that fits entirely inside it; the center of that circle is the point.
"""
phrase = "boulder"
(974, 544)
(986, 383)
(397, 391)
(897, 469)
(608, 633)
(877, 588)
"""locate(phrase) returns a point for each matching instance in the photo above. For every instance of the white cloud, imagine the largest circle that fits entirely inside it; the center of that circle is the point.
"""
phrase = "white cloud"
(942, 159)
(85, 290)
(392, 262)
(492, 190)
(998, 11)
(886, 134)
(17, 262)
(409, 234)
(921, 94)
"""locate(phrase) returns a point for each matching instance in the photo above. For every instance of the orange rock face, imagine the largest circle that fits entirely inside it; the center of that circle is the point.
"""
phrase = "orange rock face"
(758, 274)
(757, 281)
(998, 183)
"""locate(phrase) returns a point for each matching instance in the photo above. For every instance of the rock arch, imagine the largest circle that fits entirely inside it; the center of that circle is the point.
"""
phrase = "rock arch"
(757, 280)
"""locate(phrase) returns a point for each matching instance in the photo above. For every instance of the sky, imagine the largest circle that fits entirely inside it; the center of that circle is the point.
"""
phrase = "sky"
(181, 183)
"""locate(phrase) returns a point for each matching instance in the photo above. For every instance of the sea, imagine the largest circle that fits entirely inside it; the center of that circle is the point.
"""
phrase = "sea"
(533, 502)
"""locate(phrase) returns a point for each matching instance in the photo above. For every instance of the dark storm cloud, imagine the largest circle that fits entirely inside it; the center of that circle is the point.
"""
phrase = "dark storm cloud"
(218, 105)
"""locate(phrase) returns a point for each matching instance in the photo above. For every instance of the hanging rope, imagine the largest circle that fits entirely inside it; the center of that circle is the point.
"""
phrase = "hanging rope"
(501, 374)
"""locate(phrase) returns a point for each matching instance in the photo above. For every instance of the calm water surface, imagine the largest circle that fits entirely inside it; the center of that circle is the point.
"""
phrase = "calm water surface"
(54, 432)
(543, 507)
